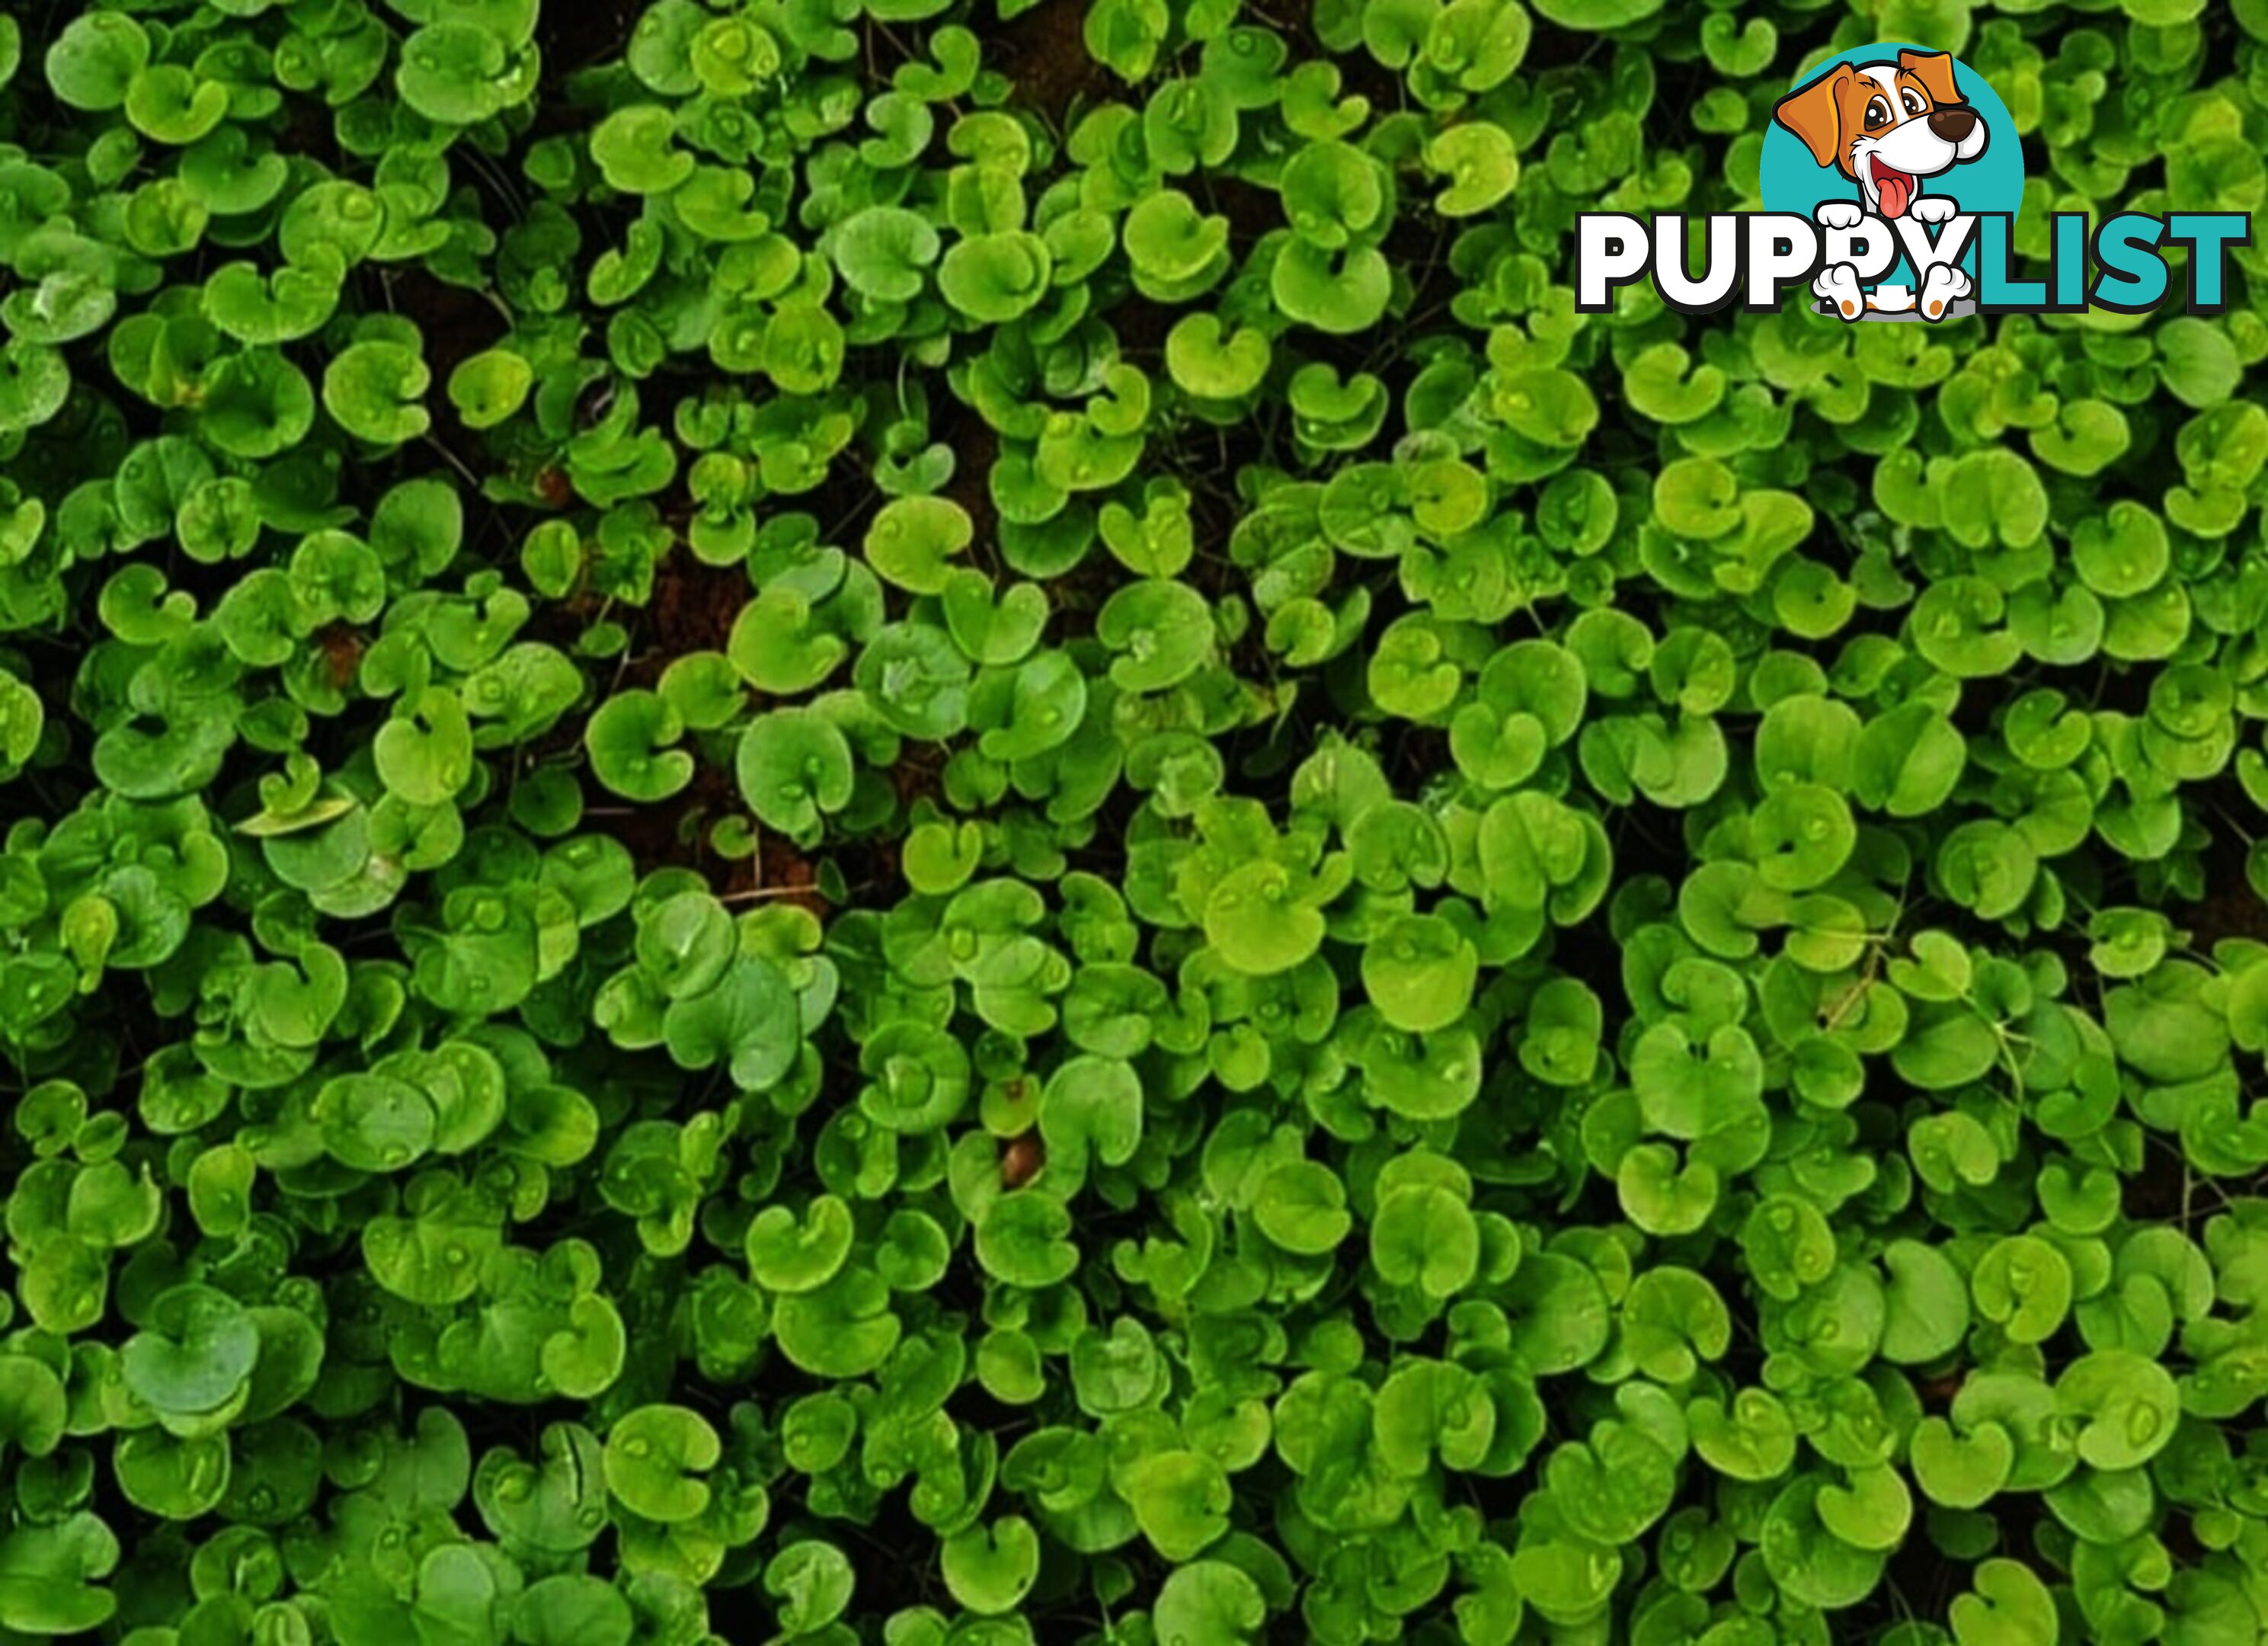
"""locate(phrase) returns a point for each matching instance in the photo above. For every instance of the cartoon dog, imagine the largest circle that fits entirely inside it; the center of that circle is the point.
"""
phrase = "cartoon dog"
(1886, 127)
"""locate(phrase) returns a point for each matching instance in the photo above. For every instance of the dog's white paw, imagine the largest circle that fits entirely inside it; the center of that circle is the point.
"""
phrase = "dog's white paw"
(1934, 209)
(1838, 283)
(1939, 287)
(1840, 214)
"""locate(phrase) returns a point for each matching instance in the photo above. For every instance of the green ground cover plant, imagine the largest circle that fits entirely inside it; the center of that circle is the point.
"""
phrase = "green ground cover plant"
(931, 821)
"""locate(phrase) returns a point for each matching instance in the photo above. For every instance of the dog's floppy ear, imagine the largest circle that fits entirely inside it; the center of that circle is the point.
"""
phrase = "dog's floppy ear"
(1815, 114)
(1934, 71)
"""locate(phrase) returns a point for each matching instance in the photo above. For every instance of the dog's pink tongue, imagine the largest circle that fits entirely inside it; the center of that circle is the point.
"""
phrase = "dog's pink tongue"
(1898, 189)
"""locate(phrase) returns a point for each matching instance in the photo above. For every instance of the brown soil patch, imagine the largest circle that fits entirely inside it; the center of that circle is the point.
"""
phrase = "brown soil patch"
(783, 873)
(456, 323)
(2230, 906)
(342, 645)
(1044, 52)
(919, 774)
(674, 833)
(694, 605)
(975, 448)
(585, 33)
(1359, 73)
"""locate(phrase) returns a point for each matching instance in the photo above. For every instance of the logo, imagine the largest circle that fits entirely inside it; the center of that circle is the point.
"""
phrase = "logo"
(1891, 177)
(1885, 135)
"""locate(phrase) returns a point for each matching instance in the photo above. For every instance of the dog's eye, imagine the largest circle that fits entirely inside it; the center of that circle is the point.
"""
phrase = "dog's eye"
(1878, 112)
(1912, 100)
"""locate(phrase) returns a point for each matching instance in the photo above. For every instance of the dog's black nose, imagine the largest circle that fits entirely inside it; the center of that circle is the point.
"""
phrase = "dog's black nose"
(1953, 123)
